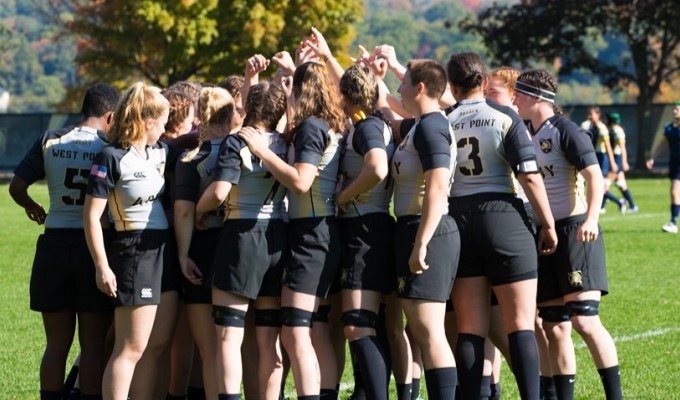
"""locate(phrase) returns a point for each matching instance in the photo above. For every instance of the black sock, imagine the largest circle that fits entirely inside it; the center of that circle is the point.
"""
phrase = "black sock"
(403, 391)
(311, 397)
(415, 388)
(358, 393)
(548, 391)
(195, 393)
(91, 397)
(70, 381)
(564, 386)
(610, 196)
(50, 395)
(175, 397)
(371, 362)
(74, 395)
(328, 394)
(495, 391)
(381, 334)
(485, 387)
(629, 198)
(611, 380)
(223, 396)
(441, 383)
(524, 356)
(470, 359)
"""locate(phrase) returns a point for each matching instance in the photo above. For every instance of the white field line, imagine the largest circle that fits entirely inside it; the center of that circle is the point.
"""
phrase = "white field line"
(638, 336)
(615, 216)
(617, 339)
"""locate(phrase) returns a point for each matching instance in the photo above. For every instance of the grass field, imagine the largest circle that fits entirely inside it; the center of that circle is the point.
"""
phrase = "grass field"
(641, 312)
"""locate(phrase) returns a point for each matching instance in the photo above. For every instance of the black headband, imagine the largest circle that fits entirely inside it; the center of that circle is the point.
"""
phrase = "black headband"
(535, 92)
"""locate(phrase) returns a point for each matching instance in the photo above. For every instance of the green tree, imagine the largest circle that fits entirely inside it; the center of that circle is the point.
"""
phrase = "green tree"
(549, 29)
(168, 41)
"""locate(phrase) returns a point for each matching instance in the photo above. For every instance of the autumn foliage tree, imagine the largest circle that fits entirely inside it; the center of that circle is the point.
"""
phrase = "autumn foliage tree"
(549, 29)
(168, 41)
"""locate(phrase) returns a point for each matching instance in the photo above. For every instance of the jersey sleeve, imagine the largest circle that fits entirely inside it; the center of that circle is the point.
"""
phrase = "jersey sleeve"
(432, 141)
(311, 138)
(575, 143)
(368, 135)
(228, 168)
(187, 181)
(406, 126)
(519, 149)
(104, 173)
(32, 167)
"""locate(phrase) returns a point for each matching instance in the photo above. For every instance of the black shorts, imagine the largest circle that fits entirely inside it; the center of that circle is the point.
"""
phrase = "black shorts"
(172, 273)
(63, 276)
(136, 259)
(496, 238)
(250, 256)
(367, 261)
(315, 255)
(443, 251)
(674, 171)
(603, 160)
(202, 252)
(575, 266)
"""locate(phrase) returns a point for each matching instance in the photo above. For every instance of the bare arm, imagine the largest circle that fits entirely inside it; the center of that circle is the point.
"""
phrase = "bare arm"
(595, 183)
(374, 170)
(660, 147)
(18, 189)
(434, 206)
(94, 235)
(533, 186)
(184, 229)
(297, 177)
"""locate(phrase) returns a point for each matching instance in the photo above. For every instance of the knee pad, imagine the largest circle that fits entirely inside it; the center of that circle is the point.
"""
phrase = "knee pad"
(321, 314)
(360, 318)
(268, 317)
(585, 308)
(295, 317)
(554, 314)
(225, 316)
(607, 182)
(621, 183)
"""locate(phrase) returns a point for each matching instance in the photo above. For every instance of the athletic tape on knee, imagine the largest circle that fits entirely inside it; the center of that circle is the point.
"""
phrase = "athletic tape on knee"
(584, 308)
(553, 313)
(621, 183)
(360, 318)
(225, 316)
(321, 314)
(295, 317)
(268, 317)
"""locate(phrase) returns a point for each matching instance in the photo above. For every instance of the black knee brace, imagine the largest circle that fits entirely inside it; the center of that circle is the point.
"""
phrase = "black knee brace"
(268, 317)
(295, 317)
(553, 314)
(225, 316)
(360, 318)
(321, 314)
(585, 308)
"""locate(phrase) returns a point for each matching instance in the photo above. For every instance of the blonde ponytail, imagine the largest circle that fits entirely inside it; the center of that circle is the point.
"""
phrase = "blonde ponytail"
(137, 104)
(216, 109)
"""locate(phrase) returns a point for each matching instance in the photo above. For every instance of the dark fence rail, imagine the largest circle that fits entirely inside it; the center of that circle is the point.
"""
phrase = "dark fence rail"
(19, 131)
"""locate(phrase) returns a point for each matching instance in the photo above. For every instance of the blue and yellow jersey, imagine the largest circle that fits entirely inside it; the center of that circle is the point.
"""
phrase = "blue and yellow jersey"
(600, 135)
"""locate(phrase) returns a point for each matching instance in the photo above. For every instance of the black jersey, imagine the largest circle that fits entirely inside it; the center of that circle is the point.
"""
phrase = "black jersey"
(193, 176)
(429, 143)
(63, 158)
(315, 143)
(562, 150)
(132, 183)
(493, 142)
(255, 193)
(368, 134)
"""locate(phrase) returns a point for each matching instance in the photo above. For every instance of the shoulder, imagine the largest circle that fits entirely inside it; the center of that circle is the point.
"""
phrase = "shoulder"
(55, 134)
(313, 124)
